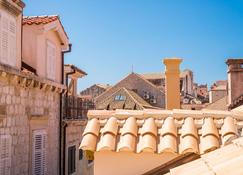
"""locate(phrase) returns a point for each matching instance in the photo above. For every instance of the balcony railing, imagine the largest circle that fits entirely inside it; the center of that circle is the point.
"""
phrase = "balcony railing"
(75, 108)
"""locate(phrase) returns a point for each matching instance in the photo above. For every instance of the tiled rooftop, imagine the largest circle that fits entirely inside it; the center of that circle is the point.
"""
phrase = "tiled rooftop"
(220, 104)
(39, 19)
(132, 101)
(158, 131)
(224, 161)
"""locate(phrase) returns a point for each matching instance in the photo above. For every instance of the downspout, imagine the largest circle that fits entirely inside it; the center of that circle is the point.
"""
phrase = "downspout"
(21, 39)
(62, 129)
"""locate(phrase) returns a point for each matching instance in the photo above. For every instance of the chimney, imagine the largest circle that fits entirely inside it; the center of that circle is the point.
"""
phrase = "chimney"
(235, 79)
(172, 82)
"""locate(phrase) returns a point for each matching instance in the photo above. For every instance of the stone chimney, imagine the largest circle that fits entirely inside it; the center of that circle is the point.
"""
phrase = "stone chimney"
(172, 82)
(235, 79)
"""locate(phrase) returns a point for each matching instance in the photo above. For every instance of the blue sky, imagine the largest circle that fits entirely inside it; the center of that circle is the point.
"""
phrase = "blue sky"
(111, 36)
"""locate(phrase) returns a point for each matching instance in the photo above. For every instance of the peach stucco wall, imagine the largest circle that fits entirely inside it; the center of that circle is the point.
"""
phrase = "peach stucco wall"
(120, 163)
(34, 49)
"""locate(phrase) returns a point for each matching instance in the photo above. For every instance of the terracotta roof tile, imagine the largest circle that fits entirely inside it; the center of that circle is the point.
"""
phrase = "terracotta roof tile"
(129, 134)
(158, 131)
(227, 160)
(189, 137)
(29, 20)
(46, 19)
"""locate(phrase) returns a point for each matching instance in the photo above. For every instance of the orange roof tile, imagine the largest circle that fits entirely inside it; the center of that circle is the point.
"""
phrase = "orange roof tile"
(29, 20)
(45, 19)
(158, 131)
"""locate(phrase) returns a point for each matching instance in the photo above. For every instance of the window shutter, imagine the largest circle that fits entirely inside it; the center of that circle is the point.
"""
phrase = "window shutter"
(53, 62)
(4, 37)
(8, 44)
(39, 153)
(5, 154)
(51, 57)
(12, 43)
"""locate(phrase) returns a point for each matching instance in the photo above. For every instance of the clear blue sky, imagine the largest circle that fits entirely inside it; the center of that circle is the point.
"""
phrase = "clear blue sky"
(109, 36)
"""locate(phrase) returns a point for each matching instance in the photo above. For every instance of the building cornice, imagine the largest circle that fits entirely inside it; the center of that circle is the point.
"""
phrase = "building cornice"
(27, 80)
(11, 7)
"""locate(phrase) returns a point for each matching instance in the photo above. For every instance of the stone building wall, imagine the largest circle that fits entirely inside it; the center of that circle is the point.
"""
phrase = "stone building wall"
(74, 131)
(24, 110)
(92, 92)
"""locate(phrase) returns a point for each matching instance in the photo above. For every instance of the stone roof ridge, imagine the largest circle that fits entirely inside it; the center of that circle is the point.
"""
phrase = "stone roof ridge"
(103, 85)
(136, 101)
(161, 114)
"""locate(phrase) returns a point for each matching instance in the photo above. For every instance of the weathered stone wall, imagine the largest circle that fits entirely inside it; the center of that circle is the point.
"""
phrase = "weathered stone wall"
(93, 91)
(74, 131)
(24, 110)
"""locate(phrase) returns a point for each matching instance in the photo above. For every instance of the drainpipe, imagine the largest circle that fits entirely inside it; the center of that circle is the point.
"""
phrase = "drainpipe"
(21, 38)
(62, 129)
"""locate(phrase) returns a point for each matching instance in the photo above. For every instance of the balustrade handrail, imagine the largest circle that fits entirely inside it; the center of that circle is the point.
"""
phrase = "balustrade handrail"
(76, 108)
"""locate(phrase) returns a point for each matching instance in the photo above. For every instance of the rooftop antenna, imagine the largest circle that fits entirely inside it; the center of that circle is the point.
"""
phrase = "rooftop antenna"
(132, 68)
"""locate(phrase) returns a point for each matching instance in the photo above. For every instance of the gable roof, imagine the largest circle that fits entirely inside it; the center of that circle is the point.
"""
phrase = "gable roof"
(131, 101)
(160, 131)
(74, 70)
(220, 104)
(117, 86)
(227, 160)
(30, 20)
(45, 20)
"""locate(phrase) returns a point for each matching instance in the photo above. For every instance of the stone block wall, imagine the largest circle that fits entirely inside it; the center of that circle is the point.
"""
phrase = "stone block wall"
(23, 110)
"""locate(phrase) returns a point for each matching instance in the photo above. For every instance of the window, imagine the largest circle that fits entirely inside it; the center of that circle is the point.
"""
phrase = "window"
(5, 154)
(120, 98)
(71, 159)
(50, 60)
(8, 42)
(81, 154)
(39, 146)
